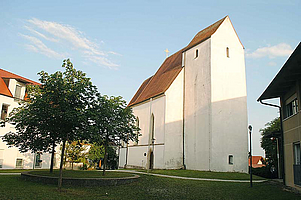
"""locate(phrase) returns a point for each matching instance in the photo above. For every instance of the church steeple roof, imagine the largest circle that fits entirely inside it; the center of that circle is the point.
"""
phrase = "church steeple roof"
(171, 67)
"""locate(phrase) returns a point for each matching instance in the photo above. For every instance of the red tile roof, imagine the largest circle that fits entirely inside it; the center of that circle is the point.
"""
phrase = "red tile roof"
(8, 75)
(169, 70)
(255, 161)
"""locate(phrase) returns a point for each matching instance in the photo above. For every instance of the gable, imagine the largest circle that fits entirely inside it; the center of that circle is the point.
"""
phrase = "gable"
(4, 90)
(171, 67)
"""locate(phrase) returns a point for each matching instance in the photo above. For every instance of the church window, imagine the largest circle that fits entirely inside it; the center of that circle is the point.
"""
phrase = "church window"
(230, 159)
(152, 129)
(137, 124)
(227, 52)
(196, 53)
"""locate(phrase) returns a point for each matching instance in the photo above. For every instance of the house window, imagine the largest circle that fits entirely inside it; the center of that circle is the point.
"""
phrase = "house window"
(4, 111)
(291, 108)
(227, 52)
(54, 160)
(297, 155)
(196, 53)
(1, 158)
(38, 161)
(6, 81)
(230, 159)
(18, 91)
(19, 163)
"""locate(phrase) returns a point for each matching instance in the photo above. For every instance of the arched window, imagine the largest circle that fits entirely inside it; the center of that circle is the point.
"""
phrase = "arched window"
(137, 124)
(152, 129)
(196, 53)
(227, 52)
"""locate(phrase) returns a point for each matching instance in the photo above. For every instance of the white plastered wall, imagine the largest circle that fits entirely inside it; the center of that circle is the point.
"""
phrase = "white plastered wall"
(197, 106)
(174, 124)
(136, 153)
(229, 101)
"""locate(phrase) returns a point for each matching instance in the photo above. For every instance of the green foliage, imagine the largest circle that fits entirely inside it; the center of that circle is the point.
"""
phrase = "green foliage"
(54, 112)
(111, 122)
(268, 143)
(96, 153)
(76, 152)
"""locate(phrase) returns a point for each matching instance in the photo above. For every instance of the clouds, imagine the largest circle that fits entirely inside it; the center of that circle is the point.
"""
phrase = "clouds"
(39, 47)
(279, 50)
(60, 36)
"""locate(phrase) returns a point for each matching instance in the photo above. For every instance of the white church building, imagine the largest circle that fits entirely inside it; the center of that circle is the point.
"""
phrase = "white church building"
(193, 111)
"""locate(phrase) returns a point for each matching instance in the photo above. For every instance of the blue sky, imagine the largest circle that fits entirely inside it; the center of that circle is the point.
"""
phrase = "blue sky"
(121, 43)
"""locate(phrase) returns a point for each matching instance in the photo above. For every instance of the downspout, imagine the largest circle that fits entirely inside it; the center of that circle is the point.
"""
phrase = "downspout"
(183, 134)
(150, 135)
(282, 137)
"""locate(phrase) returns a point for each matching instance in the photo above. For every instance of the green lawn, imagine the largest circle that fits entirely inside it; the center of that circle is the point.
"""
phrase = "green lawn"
(147, 187)
(82, 174)
(204, 174)
(13, 170)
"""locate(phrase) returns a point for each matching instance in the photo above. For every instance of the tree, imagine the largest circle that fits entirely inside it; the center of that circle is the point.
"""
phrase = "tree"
(58, 112)
(269, 142)
(76, 152)
(111, 121)
(96, 153)
(32, 122)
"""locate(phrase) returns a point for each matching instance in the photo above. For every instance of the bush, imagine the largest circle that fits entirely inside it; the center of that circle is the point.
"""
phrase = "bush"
(264, 172)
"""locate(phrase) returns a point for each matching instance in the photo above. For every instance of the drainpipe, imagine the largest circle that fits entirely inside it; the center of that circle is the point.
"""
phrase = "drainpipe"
(183, 65)
(282, 137)
(150, 133)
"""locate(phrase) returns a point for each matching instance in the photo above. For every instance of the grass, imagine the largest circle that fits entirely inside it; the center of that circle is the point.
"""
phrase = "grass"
(13, 170)
(82, 174)
(204, 174)
(147, 187)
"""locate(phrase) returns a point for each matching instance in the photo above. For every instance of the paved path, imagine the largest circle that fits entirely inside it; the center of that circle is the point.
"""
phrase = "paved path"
(1, 174)
(190, 178)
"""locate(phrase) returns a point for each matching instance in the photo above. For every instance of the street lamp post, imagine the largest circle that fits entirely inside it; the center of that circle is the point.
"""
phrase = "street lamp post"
(250, 131)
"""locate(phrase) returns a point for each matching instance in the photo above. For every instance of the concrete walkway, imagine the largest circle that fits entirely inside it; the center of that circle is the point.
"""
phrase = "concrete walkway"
(190, 178)
(1, 174)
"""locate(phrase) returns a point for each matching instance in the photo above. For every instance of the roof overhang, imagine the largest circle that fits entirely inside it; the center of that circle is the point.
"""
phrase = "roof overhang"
(286, 77)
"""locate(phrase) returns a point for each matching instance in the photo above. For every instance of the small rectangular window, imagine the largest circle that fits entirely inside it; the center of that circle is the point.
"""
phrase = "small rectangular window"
(196, 53)
(19, 163)
(1, 158)
(297, 154)
(18, 91)
(230, 159)
(4, 111)
(227, 52)
(291, 108)
(38, 161)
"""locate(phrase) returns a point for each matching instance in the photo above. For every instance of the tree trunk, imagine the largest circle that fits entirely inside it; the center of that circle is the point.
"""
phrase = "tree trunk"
(52, 157)
(105, 159)
(61, 166)
(72, 164)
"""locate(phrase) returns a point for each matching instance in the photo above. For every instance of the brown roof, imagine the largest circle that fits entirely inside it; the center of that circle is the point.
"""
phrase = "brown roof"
(8, 75)
(171, 67)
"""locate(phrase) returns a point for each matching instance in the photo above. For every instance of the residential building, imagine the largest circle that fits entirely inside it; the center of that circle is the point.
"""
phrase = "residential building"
(193, 111)
(287, 86)
(12, 91)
